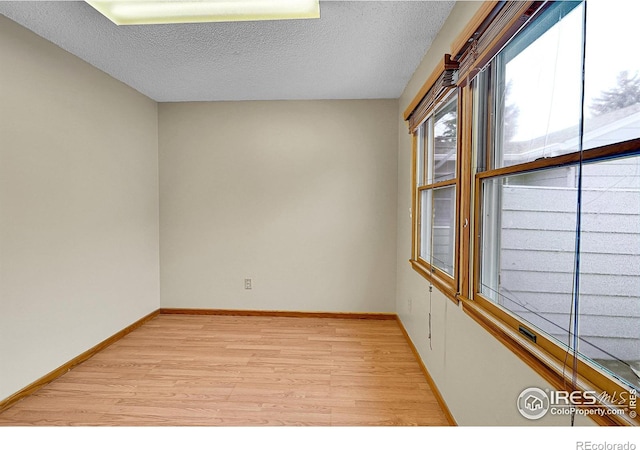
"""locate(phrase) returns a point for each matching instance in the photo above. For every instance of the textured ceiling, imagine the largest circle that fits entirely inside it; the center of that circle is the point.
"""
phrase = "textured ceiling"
(356, 50)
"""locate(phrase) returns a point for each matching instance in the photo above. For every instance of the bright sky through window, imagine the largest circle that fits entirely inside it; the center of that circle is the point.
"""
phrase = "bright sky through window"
(610, 50)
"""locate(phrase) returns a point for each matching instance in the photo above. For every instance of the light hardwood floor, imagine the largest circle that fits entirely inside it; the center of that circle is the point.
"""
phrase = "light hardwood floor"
(242, 371)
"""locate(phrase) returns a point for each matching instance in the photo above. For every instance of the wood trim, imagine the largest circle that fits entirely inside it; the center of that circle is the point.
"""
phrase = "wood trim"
(416, 219)
(415, 210)
(438, 184)
(432, 275)
(548, 366)
(271, 313)
(607, 151)
(458, 270)
(465, 224)
(427, 375)
(445, 64)
(48, 378)
(466, 34)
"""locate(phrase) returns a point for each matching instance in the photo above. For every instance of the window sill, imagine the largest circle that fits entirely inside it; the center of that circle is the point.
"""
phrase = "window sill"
(443, 285)
(546, 365)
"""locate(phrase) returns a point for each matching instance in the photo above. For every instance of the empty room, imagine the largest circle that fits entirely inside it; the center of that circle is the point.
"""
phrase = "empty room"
(360, 213)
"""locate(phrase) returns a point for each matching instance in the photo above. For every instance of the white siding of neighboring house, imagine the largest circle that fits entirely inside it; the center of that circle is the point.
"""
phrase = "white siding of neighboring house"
(538, 249)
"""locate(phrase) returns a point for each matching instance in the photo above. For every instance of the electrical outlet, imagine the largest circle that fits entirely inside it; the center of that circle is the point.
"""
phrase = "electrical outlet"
(247, 283)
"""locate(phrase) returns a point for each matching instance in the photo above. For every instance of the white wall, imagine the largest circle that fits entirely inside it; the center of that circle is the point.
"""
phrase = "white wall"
(302, 197)
(78, 207)
(299, 196)
(479, 378)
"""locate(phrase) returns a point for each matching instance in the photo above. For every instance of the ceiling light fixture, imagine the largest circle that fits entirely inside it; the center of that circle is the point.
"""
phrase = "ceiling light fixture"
(147, 12)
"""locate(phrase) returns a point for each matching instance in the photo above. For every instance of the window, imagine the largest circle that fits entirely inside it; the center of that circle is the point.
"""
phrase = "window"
(436, 174)
(559, 205)
(527, 183)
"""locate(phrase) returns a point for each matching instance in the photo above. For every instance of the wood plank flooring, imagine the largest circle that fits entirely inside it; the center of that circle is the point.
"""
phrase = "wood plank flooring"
(181, 370)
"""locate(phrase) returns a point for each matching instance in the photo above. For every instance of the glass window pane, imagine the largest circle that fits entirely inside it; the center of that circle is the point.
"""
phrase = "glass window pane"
(538, 88)
(610, 266)
(480, 122)
(428, 150)
(426, 213)
(612, 90)
(445, 141)
(420, 155)
(528, 246)
(444, 216)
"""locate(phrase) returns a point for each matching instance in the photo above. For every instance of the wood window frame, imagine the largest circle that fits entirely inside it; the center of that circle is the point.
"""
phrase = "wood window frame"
(545, 356)
(496, 27)
(495, 23)
(436, 92)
